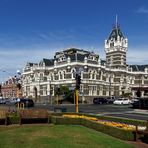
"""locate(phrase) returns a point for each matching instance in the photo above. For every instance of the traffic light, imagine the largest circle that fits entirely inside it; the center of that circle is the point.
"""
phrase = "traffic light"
(78, 81)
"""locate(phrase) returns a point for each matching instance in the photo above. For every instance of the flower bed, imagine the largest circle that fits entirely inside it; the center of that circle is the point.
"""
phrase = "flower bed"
(108, 123)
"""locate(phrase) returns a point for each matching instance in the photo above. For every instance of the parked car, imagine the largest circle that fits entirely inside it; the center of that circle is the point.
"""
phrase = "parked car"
(27, 102)
(100, 100)
(141, 103)
(126, 101)
(2, 101)
(111, 99)
(134, 99)
(122, 101)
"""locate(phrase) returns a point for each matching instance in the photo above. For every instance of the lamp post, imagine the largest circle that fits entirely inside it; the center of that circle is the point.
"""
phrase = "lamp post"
(110, 85)
(139, 89)
(49, 93)
(39, 90)
(109, 80)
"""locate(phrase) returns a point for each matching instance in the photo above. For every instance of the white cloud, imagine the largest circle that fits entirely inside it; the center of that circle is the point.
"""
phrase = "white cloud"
(137, 55)
(13, 59)
(142, 10)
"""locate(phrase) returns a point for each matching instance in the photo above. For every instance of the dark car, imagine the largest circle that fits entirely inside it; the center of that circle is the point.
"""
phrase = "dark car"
(141, 103)
(111, 99)
(2, 101)
(100, 100)
(26, 102)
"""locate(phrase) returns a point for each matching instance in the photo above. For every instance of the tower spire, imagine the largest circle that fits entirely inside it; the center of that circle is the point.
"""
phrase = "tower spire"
(116, 21)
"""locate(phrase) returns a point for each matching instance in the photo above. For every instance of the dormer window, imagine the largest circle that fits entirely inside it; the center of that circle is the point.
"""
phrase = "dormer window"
(111, 44)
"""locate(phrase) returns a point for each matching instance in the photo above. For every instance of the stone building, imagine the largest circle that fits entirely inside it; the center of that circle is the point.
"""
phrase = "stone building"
(113, 76)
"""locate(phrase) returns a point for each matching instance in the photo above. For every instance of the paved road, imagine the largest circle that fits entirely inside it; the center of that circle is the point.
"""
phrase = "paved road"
(125, 111)
(109, 110)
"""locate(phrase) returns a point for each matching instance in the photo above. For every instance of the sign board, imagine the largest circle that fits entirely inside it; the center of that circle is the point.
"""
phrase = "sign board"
(72, 88)
(48, 93)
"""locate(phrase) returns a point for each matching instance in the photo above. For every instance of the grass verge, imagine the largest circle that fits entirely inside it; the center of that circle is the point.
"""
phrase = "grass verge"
(57, 136)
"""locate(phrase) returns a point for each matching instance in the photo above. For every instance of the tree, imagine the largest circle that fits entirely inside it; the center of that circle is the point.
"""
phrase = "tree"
(127, 95)
(65, 93)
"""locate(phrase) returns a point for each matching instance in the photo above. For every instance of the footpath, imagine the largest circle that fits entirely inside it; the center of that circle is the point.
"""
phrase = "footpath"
(140, 111)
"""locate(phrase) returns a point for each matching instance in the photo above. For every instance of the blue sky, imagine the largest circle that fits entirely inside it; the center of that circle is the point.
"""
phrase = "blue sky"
(34, 29)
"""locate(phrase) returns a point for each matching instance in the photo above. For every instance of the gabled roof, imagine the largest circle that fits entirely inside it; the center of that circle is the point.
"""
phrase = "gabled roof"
(47, 62)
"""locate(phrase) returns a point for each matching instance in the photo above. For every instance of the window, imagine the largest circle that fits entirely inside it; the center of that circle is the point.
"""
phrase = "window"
(43, 90)
(94, 75)
(60, 75)
(90, 74)
(73, 72)
(64, 74)
(28, 91)
(111, 44)
(41, 76)
(92, 90)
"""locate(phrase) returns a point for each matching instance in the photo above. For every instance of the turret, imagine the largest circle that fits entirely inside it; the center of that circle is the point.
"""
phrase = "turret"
(116, 47)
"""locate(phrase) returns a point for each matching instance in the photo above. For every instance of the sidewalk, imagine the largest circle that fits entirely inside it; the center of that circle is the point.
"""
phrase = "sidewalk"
(140, 111)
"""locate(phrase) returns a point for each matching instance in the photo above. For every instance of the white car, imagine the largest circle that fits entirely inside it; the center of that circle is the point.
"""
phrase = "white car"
(126, 102)
(122, 101)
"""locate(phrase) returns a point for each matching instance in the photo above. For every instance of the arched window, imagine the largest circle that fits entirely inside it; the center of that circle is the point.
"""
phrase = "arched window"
(41, 76)
(73, 72)
(90, 74)
(27, 79)
(94, 75)
(60, 75)
(52, 76)
(64, 74)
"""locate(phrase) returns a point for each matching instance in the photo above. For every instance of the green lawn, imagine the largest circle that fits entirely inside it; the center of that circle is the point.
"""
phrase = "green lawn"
(56, 136)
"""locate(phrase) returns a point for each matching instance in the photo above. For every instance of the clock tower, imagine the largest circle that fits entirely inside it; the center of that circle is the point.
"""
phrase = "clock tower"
(116, 47)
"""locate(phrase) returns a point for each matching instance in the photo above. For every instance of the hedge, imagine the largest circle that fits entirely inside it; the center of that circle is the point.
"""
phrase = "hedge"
(110, 130)
(62, 120)
(113, 131)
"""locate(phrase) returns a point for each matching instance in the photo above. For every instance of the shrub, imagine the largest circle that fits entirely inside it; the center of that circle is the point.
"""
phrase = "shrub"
(2, 121)
(13, 118)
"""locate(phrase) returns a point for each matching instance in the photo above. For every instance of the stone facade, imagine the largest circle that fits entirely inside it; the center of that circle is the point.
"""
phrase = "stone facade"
(98, 78)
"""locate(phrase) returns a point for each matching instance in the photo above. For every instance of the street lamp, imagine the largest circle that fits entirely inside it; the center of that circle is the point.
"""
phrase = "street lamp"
(39, 89)
(49, 93)
(110, 86)
(109, 79)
